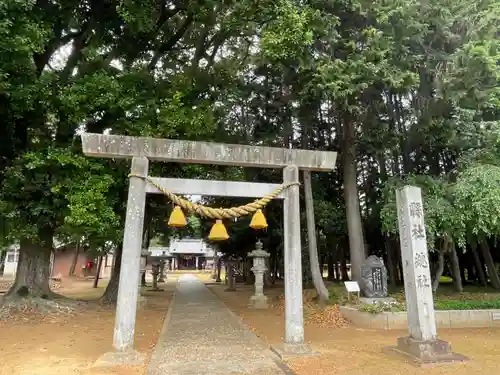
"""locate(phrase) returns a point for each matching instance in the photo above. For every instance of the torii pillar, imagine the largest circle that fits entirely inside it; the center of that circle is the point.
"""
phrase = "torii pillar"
(141, 150)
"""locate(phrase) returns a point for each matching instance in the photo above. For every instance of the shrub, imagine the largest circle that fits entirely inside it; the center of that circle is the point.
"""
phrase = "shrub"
(466, 304)
(379, 307)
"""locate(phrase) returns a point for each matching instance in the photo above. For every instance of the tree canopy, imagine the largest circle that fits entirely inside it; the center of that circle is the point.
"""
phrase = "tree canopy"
(406, 92)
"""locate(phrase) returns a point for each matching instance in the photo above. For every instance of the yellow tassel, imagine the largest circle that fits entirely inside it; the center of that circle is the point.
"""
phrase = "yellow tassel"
(177, 218)
(258, 220)
(218, 232)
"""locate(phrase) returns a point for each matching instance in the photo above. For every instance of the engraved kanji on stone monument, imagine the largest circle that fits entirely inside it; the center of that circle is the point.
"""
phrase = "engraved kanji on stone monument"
(421, 344)
(374, 277)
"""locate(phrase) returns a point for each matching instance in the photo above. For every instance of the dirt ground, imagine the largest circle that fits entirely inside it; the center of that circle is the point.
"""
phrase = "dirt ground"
(68, 345)
(356, 351)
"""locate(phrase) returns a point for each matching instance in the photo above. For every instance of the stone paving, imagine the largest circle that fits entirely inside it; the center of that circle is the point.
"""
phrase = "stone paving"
(201, 336)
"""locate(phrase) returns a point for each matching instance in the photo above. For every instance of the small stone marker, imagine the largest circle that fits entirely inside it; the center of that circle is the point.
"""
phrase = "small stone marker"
(422, 345)
(374, 275)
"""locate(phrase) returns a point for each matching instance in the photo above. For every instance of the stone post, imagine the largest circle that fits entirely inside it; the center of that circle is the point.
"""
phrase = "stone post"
(161, 275)
(144, 254)
(258, 300)
(197, 260)
(231, 277)
(422, 344)
(141, 300)
(214, 266)
(294, 315)
(219, 266)
(126, 305)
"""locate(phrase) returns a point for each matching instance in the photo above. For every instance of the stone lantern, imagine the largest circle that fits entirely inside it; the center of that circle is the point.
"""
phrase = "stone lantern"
(258, 300)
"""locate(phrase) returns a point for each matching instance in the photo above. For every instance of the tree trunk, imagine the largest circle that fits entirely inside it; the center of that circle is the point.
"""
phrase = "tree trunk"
(439, 272)
(455, 269)
(399, 267)
(353, 213)
(267, 274)
(33, 269)
(338, 276)
(98, 272)
(111, 293)
(492, 271)
(440, 268)
(3, 255)
(477, 263)
(275, 268)
(393, 272)
(316, 268)
(343, 267)
(462, 261)
(219, 266)
(75, 259)
(331, 268)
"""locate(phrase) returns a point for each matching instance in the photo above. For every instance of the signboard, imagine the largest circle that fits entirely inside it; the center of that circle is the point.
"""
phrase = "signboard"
(352, 286)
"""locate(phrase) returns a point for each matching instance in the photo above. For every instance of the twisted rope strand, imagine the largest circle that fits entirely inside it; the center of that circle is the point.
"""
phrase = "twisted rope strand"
(219, 213)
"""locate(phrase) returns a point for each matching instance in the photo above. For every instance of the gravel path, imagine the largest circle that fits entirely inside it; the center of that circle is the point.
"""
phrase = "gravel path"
(201, 336)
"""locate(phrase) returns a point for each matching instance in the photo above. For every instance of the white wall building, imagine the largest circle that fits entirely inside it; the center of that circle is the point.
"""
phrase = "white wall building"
(11, 259)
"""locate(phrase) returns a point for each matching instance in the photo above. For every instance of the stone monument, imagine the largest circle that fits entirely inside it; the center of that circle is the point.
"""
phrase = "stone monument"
(421, 345)
(258, 300)
(374, 281)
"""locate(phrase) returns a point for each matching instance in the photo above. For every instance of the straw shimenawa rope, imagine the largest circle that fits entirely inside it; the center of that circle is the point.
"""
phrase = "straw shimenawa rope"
(219, 213)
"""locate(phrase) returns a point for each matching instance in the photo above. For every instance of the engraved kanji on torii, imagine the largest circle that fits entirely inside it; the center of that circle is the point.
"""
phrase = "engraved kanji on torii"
(143, 149)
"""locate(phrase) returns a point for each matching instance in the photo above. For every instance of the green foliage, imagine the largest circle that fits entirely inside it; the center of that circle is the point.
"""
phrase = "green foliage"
(91, 209)
(466, 304)
(51, 188)
(289, 32)
(440, 216)
(446, 304)
(477, 200)
(418, 83)
(377, 308)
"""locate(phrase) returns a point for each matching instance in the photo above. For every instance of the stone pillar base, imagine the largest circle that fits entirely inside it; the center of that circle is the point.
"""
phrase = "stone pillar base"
(229, 289)
(288, 351)
(426, 353)
(127, 358)
(258, 302)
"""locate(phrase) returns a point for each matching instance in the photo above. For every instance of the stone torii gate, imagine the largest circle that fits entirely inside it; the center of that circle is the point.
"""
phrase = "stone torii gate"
(141, 150)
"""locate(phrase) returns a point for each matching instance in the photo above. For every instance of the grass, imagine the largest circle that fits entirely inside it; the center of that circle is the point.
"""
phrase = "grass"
(473, 297)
